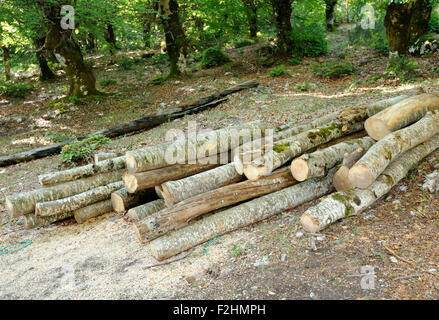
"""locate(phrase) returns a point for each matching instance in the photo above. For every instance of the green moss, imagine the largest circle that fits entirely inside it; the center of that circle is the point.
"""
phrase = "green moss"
(324, 132)
(390, 179)
(281, 147)
(388, 155)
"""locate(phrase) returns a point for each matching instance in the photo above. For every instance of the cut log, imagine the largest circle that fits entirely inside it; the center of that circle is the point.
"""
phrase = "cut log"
(143, 211)
(239, 216)
(317, 164)
(145, 180)
(373, 163)
(159, 191)
(186, 151)
(401, 115)
(136, 125)
(179, 190)
(76, 201)
(92, 211)
(24, 203)
(122, 200)
(82, 172)
(341, 180)
(101, 156)
(172, 218)
(349, 121)
(31, 221)
(431, 182)
(343, 204)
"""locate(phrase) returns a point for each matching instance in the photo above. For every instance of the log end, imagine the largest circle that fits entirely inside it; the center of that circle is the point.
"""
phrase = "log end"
(117, 203)
(376, 128)
(170, 200)
(300, 169)
(11, 209)
(132, 215)
(141, 230)
(130, 182)
(361, 176)
(309, 223)
(253, 173)
(160, 255)
(78, 218)
(131, 163)
(341, 180)
(159, 191)
(239, 167)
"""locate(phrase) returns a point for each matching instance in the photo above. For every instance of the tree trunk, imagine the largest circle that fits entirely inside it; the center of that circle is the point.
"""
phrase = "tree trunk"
(283, 10)
(31, 221)
(341, 180)
(240, 216)
(122, 200)
(375, 161)
(318, 163)
(179, 190)
(45, 72)
(174, 217)
(145, 210)
(111, 39)
(401, 115)
(92, 211)
(251, 10)
(149, 179)
(176, 43)
(101, 156)
(343, 204)
(7, 66)
(159, 191)
(330, 9)
(82, 172)
(24, 203)
(406, 22)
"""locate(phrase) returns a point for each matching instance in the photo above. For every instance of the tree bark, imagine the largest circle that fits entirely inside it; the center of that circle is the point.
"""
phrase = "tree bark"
(122, 200)
(341, 180)
(343, 204)
(31, 221)
(329, 12)
(171, 218)
(251, 11)
(24, 203)
(318, 163)
(149, 179)
(179, 190)
(401, 115)
(145, 210)
(283, 10)
(111, 39)
(176, 43)
(240, 216)
(92, 211)
(375, 161)
(45, 72)
(82, 172)
(101, 156)
(80, 200)
(7, 66)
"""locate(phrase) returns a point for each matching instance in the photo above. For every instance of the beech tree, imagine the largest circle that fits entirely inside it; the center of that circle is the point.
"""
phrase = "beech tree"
(283, 10)
(329, 12)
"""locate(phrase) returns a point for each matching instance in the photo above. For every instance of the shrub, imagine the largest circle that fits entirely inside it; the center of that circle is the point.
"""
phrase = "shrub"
(309, 40)
(302, 86)
(107, 82)
(213, 57)
(81, 151)
(276, 72)
(294, 61)
(403, 68)
(371, 38)
(158, 80)
(333, 69)
(12, 89)
(434, 22)
(424, 46)
(243, 43)
(125, 63)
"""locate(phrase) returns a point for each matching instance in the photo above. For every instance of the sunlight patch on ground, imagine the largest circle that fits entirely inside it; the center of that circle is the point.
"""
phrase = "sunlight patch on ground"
(31, 140)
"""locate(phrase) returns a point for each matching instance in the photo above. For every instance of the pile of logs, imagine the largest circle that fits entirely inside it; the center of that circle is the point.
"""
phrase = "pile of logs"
(349, 159)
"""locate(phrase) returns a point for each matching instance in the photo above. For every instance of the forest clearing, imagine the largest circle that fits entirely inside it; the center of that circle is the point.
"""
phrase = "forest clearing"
(338, 174)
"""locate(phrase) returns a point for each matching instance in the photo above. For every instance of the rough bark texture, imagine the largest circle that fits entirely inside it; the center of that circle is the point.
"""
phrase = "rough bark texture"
(179, 190)
(400, 115)
(329, 12)
(172, 218)
(31, 221)
(24, 203)
(149, 179)
(349, 121)
(239, 216)
(82, 172)
(45, 72)
(6, 63)
(318, 163)
(122, 200)
(92, 211)
(373, 163)
(76, 201)
(135, 125)
(188, 149)
(143, 211)
(341, 180)
(251, 11)
(283, 10)
(431, 182)
(343, 204)
(101, 156)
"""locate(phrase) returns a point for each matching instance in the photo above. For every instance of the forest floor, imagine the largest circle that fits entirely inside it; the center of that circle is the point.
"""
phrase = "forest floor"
(397, 237)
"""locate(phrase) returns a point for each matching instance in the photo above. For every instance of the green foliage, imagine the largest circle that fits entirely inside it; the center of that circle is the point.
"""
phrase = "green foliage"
(125, 63)
(15, 89)
(80, 151)
(158, 79)
(309, 40)
(213, 57)
(434, 22)
(294, 61)
(243, 43)
(237, 250)
(276, 72)
(107, 82)
(333, 69)
(305, 86)
(57, 136)
(402, 68)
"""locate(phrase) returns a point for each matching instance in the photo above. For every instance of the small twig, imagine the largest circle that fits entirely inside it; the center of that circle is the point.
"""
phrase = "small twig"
(408, 277)
(397, 256)
(174, 259)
